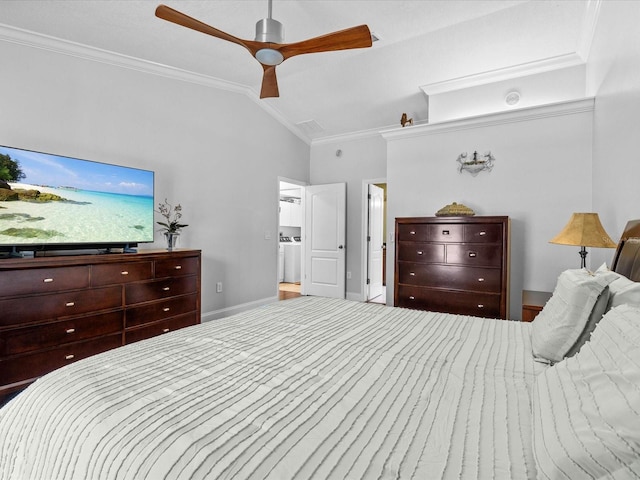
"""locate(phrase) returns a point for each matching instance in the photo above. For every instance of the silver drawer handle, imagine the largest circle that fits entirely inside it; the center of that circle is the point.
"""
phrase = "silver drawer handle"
(445, 232)
(166, 309)
(483, 233)
(412, 232)
(481, 279)
(473, 254)
(124, 272)
(178, 267)
(70, 304)
(70, 330)
(166, 289)
(69, 357)
(165, 330)
(411, 297)
(48, 280)
(480, 305)
(413, 274)
(420, 252)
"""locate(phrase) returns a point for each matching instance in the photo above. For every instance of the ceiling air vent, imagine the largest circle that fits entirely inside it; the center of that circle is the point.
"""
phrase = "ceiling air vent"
(310, 127)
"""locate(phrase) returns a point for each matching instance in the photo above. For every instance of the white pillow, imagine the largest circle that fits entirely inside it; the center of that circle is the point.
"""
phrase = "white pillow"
(586, 409)
(621, 290)
(558, 327)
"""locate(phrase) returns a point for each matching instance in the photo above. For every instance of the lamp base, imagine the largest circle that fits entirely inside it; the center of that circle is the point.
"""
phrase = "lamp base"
(583, 255)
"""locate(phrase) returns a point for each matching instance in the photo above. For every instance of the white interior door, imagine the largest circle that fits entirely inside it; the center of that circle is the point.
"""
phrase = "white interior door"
(375, 240)
(324, 242)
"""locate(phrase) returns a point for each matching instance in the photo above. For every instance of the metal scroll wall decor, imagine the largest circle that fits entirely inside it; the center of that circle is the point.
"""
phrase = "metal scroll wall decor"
(475, 164)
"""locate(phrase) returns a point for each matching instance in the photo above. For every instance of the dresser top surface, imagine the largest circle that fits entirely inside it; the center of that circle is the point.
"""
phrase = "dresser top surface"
(94, 259)
(460, 219)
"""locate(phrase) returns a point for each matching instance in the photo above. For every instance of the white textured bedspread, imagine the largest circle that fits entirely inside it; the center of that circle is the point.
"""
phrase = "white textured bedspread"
(310, 388)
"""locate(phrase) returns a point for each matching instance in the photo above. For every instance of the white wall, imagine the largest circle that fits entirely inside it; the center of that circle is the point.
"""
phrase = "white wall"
(614, 77)
(216, 152)
(360, 159)
(542, 174)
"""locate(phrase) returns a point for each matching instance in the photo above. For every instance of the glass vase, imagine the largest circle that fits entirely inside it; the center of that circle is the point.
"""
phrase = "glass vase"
(172, 239)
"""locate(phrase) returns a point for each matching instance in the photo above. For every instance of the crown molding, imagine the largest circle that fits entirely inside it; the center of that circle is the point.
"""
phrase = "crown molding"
(501, 74)
(65, 47)
(73, 49)
(347, 137)
(571, 107)
(589, 23)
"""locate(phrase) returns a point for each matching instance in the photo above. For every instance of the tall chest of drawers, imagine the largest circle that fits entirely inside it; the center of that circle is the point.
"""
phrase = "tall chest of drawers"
(453, 264)
(56, 310)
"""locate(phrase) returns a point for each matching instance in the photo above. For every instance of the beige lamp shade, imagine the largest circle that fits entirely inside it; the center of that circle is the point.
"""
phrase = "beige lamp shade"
(584, 230)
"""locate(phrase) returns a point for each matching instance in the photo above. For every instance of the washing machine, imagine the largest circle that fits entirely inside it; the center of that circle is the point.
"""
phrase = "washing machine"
(292, 254)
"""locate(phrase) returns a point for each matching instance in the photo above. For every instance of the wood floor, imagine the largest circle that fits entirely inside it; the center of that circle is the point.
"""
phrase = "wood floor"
(288, 290)
(287, 295)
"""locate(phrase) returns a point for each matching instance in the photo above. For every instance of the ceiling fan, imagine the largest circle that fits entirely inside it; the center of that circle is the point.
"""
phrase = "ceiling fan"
(268, 47)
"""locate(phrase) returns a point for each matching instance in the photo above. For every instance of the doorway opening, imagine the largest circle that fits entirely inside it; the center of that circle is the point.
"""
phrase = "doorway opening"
(375, 247)
(290, 220)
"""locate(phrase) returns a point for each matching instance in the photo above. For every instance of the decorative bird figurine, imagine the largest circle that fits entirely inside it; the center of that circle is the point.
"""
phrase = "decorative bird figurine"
(404, 120)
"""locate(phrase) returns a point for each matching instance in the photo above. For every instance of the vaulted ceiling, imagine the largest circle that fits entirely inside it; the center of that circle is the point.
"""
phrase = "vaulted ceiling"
(423, 47)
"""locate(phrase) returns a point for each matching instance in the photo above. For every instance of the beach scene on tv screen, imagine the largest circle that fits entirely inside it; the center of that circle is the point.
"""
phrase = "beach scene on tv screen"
(50, 199)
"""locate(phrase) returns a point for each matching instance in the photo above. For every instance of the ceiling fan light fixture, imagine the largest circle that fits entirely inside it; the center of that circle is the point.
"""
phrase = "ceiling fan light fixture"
(269, 56)
(269, 47)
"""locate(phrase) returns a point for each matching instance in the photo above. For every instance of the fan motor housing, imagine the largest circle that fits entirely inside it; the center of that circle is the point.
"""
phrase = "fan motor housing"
(270, 31)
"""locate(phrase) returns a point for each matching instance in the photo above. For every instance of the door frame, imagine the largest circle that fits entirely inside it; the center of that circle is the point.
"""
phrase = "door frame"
(365, 229)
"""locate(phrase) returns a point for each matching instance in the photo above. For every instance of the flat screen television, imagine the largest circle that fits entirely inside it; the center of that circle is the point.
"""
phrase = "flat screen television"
(50, 202)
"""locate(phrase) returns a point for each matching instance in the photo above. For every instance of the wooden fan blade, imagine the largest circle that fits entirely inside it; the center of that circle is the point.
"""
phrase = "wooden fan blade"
(269, 82)
(179, 18)
(354, 37)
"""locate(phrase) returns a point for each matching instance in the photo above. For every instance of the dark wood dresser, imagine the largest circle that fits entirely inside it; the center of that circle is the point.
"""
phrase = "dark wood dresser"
(56, 310)
(453, 264)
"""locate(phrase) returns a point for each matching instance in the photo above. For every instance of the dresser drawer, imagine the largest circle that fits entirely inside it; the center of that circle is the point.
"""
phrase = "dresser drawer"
(109, 274)
(158, 328)
(421, 252)
(466, 303)
(27, 367)
(27, 310)
(478, 255)
(158, 289)
(438, 232)
(450, 276)
(443, 232)
(413, 233)
(489, 233)
(43, 280)
(159, 310)
(172, 267)
(27, 339)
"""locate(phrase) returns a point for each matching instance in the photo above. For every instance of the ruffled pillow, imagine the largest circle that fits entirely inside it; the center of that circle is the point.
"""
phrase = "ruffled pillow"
(622, 291)
(558, 329)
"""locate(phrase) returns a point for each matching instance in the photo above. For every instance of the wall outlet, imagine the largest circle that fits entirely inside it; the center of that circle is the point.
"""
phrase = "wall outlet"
(348, 275)
(219, 287)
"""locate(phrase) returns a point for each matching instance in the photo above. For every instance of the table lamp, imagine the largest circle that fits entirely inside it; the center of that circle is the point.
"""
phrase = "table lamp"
(584, 230)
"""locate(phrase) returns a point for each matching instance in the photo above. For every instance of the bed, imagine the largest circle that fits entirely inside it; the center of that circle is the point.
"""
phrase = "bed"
(317, 388)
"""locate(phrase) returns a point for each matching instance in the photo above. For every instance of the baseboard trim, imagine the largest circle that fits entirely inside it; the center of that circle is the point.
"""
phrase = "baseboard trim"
(227, 312)
(356, 297)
